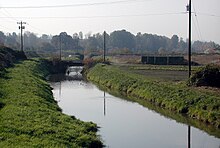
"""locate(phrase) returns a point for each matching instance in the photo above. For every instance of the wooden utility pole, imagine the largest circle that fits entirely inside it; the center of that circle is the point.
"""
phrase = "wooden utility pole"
(104, 104)
(21, 27)
(189, 8)
(189, 136)
(104, 46)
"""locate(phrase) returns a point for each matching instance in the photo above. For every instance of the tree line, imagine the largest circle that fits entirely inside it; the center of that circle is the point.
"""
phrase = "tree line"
(120, 42)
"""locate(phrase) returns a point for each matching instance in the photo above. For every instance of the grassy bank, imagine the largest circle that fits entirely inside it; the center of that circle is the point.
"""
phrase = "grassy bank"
(177, 97)
(29, 116)
(8, 57)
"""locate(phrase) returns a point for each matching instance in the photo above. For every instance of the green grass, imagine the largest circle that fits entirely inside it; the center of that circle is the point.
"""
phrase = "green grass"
(160, 72)
(177, 97)
(29, 116)
(160, 67)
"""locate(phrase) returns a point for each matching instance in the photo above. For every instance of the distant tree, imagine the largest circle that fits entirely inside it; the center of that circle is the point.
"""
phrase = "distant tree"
(92, 43)
(66, 41)
(31, 41)
(151, 43)
(2, 38)
(11, 40)
(45, 46)
(75, 36)
(55, 42)
(76, 41)
(161, 51)
(100, 39)
(80, 35)
(45, 38)
(217, 46)
(182, 46)
(138, 42)
(174, 42)
(122, 39)
(117, 42)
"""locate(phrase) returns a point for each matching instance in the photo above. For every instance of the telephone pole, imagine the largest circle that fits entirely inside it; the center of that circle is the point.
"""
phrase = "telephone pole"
(189, 8)
(104, 46)
(21, 27)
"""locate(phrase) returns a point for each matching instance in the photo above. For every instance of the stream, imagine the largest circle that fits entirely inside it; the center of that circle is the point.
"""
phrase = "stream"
(123, 124)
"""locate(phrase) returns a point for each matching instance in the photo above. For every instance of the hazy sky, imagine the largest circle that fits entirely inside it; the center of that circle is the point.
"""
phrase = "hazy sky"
(162, 17)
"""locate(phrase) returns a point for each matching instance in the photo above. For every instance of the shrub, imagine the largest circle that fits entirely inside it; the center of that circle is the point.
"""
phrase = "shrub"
(8, 57)
(206, 76)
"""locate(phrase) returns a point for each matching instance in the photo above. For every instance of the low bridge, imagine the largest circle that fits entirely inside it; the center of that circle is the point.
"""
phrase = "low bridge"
(69, 63)
(62, 66)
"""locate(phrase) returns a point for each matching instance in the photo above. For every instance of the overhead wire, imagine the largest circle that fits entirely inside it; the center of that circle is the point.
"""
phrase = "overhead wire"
(5, 27)
(100, 16)
(199, 30)
(208, 14)
(84, 17)
(40, 31)
(9, 14)
(72, 5)
(7, 18)
(78, 5)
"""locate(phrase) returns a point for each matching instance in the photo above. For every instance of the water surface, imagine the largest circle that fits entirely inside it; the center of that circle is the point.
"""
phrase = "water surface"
(124, 124)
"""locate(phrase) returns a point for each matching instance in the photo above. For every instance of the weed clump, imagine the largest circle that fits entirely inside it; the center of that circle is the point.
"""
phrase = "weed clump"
(206, 76)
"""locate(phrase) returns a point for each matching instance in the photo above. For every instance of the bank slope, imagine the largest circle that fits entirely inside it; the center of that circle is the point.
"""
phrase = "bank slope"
(29, 116)
(172, 96)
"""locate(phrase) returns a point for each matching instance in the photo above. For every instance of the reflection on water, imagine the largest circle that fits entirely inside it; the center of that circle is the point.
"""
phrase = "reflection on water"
(125, 124)
(104, 104)
(189, 136)
(62, 77)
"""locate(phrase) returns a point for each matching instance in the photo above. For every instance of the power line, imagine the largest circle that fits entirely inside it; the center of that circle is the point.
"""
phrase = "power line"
(208, 14)
(5, 27)
(73, 5)
(100, 16)
(35, 28)
(200, 34)
(197, 32)
(9, 15)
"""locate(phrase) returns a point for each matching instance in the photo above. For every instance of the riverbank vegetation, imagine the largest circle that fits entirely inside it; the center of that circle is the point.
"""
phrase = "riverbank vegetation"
(8, 57)
(30, 117)
(206, 76)
(173, 95)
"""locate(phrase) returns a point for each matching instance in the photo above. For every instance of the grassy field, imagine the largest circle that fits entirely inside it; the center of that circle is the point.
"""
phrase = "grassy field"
(166, 93)
(29, 116)
(159, 72)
